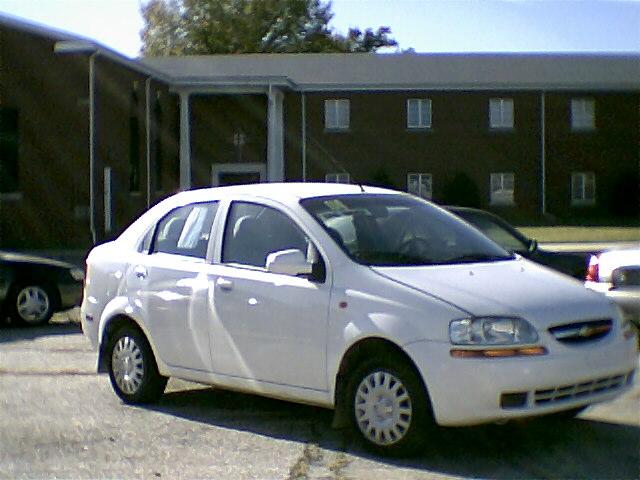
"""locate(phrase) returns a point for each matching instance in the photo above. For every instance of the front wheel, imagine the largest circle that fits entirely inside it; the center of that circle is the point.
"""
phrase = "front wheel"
(132, 368)
(389, 407)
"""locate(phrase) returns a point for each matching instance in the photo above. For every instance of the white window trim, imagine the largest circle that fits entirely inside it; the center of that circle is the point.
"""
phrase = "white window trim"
(583, 200)
(428, 194)
(502, 123)
(503, 195)
(583, 118)
(11, 196)
(337, 177)
(423, 103)
(334, 104)
(218, 168)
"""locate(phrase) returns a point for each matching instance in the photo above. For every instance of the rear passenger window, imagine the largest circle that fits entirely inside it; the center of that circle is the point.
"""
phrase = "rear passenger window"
(186, 230)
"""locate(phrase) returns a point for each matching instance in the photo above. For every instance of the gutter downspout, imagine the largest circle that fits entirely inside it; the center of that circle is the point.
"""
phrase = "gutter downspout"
(147, 94)
(185, 141)
(543, 153)
(304, 137)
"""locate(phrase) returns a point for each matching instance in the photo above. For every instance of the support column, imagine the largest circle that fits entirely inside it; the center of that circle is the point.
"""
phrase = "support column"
(275, 136)
(185, 142)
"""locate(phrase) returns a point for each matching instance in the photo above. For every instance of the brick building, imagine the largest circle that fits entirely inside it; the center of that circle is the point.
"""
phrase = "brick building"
(89, 138)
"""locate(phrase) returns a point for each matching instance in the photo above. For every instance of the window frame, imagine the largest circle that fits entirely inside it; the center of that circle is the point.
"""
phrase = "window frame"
(583, 200)
(503, 195)
(150, 247)
(583, 114)
(422, 104)
(420, 177)
(501, 123)
(332, 106)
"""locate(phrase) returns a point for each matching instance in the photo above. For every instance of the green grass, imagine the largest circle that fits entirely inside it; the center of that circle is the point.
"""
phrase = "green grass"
(582, 234)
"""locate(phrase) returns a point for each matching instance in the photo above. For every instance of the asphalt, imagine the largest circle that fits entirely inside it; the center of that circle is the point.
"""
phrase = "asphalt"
(59, 419)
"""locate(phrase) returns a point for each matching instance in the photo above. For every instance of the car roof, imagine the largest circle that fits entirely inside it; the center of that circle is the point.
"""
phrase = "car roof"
(285, 191)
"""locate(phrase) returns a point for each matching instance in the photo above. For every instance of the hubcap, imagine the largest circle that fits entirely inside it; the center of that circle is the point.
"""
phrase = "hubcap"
(32, 304)
(127, 364)
(383, 408)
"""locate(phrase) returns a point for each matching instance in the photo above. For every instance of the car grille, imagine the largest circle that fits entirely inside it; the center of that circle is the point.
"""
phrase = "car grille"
(582, 332)
(565, 393)
(580, 390)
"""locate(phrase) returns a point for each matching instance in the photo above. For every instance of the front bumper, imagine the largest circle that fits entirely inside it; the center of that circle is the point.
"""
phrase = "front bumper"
(469, 391)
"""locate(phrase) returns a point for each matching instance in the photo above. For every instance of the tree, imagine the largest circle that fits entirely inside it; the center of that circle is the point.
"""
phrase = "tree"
(201, 27)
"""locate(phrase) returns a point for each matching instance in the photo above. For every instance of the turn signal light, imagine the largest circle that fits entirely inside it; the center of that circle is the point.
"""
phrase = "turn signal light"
(499, 352)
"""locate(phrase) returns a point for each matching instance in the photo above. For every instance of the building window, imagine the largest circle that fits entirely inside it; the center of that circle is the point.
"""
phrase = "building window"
(583, 114)
(418, 113)
(501, 113)
(337, 178)
(420, 184)
(583, 188)
(502, 187)
(9, 149)
(336, 114)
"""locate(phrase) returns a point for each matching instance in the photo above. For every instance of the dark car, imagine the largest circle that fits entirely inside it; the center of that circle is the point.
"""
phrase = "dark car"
(33, 288)
(509, 238)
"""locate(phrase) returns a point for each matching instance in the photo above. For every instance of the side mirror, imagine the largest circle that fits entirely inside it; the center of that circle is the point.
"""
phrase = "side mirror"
(288, 262)
(533, 245)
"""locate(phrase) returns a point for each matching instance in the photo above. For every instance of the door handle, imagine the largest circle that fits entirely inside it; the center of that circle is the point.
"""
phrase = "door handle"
(140, 272)
(224, 284)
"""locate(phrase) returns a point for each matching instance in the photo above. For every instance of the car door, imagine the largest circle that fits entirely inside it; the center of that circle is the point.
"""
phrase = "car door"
(172, 281)
(266, 326)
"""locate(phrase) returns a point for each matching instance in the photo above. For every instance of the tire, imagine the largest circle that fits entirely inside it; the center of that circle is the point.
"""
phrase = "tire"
(132, 367)
(389, 406)
(32, 303)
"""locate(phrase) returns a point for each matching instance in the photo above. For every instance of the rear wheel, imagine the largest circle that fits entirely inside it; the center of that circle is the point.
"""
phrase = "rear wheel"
(32, 304)
(389, 406)
(132, 367)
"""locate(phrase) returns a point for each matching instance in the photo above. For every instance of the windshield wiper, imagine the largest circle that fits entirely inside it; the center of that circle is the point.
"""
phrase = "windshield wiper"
(391, 259)
(478, 257)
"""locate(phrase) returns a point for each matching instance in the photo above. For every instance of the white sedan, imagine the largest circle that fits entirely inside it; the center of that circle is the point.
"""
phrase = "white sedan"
(616, 273)
(374, 303)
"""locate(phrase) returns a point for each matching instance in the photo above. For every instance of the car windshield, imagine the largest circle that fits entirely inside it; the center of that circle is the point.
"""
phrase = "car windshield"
(492, 228)
(400, 230)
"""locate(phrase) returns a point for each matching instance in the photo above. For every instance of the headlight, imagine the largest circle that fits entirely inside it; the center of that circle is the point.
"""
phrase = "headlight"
(492, 331)
(77, 274)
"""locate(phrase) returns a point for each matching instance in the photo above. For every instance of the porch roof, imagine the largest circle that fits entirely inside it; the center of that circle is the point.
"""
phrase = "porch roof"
(330, 72)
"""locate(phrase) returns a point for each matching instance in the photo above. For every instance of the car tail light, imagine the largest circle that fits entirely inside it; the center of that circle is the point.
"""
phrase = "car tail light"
(593, 269)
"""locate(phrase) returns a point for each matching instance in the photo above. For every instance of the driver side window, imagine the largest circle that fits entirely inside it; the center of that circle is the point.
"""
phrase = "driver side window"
(254, 231)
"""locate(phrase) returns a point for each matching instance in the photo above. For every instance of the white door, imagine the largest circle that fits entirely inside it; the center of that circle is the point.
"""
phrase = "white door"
(174, 286)
(266, 326)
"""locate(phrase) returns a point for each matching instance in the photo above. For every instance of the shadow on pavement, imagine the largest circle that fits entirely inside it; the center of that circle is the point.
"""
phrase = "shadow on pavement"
(542, 448)
(15, 333)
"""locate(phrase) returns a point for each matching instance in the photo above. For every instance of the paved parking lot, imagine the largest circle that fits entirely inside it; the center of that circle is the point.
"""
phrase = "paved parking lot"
(58, 419)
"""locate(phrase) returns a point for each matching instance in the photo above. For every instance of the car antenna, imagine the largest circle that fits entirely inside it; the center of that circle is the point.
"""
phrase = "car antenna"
(361, 187)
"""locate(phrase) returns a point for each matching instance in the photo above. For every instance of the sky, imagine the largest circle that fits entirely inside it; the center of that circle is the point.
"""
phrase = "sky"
(424, 25)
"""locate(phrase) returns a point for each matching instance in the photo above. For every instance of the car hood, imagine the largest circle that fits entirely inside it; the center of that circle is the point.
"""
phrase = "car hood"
(515, 287)
(13, 257)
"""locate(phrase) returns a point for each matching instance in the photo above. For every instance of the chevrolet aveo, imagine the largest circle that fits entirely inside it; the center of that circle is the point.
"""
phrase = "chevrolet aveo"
(380, 305)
